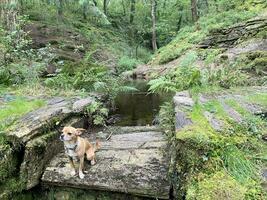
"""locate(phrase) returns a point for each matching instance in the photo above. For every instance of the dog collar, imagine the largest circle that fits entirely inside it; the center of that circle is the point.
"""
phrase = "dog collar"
(72, 147)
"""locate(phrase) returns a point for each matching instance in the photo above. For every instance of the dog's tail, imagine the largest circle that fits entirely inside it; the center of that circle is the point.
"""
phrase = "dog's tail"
(97, 145)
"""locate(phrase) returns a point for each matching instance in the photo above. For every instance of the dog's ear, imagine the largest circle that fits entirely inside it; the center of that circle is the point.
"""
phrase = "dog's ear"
(79, 131)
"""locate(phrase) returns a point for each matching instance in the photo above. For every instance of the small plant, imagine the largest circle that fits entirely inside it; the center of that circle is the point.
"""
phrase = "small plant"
(126, 64)
(97, 112)
(166, 118)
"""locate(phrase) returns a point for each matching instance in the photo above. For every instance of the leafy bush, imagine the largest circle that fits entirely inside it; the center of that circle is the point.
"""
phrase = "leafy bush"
(126, 64)
(225, 77)
(89, 77)
(181, 79)
(97, 112)
(18, 62)
(18, 73)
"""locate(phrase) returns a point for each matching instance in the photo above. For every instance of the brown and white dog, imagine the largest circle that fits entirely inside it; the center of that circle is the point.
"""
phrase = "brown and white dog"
(77, 148)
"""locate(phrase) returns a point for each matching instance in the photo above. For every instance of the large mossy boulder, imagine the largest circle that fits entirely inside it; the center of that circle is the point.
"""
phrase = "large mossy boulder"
(34, 140)
(218, 144)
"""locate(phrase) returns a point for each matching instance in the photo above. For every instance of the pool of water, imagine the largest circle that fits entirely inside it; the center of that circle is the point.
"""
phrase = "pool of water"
(138, 108)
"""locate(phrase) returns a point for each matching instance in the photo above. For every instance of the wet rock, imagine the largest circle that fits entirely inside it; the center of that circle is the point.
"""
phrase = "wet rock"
(181, 120)
(132, 163)
(232, 113)
(247, 47)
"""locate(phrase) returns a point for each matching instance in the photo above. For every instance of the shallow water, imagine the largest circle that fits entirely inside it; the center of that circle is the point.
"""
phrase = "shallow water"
(138, 108)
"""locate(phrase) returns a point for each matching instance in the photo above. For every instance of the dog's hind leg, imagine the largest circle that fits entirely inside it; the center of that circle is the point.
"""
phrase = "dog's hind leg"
(81, 174)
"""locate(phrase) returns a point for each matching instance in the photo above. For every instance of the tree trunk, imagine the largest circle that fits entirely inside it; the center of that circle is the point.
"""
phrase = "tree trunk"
(179, 23)
(105, 5)
(153, 16)
(84, 11)
(60, 8)
(132, 11)
(194, 10)
(123, 7)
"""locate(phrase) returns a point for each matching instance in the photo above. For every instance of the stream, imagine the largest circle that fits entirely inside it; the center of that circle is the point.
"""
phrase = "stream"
(138, 108)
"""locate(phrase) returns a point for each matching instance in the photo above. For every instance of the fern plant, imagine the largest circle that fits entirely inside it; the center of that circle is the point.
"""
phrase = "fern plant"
(98, 112)
(181, 79)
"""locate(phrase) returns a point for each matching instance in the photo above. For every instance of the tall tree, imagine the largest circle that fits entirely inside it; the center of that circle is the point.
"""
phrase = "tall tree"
(153, 16)
(194, 10)
(132, 11)
(60, 8)
(105, 6)
(84, 4)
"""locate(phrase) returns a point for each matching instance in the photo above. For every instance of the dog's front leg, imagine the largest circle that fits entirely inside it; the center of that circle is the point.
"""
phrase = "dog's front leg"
(73, 172)
(81, 175)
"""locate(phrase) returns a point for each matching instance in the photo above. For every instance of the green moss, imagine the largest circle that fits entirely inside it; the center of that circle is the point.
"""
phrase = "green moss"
(260, 65)
(171, 52)
(10, 187)
(8, 162)
(16, 108)
(40, 144)
(214, 106)
(200, 133)
(218, 186)
(260, 98)
(234, 104)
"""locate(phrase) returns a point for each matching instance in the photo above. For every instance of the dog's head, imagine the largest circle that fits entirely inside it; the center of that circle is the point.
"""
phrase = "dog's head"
(70, 133)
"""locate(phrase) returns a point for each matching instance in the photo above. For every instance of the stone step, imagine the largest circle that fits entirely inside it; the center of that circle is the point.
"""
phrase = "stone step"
(133, 163)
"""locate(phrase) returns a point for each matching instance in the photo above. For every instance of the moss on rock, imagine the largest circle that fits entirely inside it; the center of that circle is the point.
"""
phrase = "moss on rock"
(218, 186)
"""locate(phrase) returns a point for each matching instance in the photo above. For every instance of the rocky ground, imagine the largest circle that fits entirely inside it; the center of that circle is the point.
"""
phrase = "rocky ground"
(132, 161)
(202, 121)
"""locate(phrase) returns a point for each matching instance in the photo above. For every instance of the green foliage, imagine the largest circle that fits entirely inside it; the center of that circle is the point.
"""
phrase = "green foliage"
(237, 165)
(126, 64)
(89, 77)
(18, 62)
(183, 78)
(166, 118)
(97, 112)
(260, 99)
(190, 35)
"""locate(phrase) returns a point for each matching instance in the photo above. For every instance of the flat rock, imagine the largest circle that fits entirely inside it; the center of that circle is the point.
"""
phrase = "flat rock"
(35, 122)
(215, 123)
(240, 96)
(80, 105)
(183, 99)
(183, 102)
(131, 163)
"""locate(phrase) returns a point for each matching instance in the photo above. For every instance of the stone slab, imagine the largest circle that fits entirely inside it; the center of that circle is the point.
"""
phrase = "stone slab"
(132, 163)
